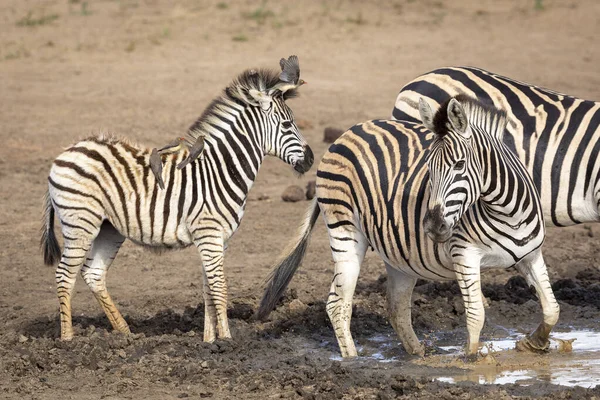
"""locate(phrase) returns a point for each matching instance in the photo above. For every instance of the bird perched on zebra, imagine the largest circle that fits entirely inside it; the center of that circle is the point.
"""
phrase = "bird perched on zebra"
(156, 158)
(195, 151)
(290, 74)
(103, 192)
(438, 201)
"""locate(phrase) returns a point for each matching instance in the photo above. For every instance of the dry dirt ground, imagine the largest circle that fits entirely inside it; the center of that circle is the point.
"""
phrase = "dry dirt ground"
(145, 69)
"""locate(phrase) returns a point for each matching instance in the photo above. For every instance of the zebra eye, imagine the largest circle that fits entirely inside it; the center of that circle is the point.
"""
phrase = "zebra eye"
(286, 124)
(459, 165)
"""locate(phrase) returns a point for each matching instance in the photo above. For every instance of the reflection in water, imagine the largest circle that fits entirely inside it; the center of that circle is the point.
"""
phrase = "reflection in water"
(581, 367)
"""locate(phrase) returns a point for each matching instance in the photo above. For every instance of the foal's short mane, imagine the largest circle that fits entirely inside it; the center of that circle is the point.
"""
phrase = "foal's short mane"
(475, 110)
(259, 79)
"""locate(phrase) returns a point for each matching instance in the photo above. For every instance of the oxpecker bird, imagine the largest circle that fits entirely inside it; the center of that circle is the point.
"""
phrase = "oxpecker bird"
(195, 152)
(290, 74)
(156, 167)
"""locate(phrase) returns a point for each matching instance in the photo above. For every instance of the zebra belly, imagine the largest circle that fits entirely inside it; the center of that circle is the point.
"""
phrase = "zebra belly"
(417, 260)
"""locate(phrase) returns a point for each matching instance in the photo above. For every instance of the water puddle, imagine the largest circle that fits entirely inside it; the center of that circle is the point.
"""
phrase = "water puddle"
(580, 367)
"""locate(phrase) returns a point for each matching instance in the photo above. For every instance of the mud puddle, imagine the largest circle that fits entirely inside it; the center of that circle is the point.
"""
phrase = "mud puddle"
(503, 365)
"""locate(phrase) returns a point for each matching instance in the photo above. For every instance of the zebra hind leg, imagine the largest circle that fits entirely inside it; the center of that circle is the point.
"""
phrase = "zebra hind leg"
(77, 242)
(400, 289)
(348, 248)
(103, 252)
(533, 268)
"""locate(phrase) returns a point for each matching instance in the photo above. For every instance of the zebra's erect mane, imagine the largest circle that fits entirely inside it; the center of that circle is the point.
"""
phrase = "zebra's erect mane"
(262, 79)
(478, 114)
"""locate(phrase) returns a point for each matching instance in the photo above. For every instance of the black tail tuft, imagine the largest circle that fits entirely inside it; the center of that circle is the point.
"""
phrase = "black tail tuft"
(48, 242)
(281, 276)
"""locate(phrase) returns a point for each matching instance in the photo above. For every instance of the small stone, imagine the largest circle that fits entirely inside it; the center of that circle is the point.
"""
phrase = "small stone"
(330, 134)
(23, 338)
(204, 364)
(121, 353)
(293, 194)
(191, 333)
(297, 306)
(311, 188)
(304, 124)
(262, 197)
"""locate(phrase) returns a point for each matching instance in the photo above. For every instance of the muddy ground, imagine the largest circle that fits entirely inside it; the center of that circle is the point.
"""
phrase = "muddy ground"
(145, 70)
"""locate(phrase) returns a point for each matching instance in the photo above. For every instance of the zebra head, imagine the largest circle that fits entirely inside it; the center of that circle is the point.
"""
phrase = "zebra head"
(454, 168)
(278, 131)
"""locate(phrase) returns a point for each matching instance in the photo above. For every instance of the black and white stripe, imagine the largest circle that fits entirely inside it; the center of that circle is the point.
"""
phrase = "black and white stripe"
(374, 189)
(103, 192)
(556, 136)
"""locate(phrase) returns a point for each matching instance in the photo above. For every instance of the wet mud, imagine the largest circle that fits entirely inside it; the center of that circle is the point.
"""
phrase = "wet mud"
(294, 354)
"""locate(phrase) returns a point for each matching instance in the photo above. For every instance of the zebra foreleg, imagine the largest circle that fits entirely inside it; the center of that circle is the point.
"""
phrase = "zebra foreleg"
(103, 252)
(468, 275)
(400, 289)
(348, 251)
(210, 312)
(533, 268)
(215, 287)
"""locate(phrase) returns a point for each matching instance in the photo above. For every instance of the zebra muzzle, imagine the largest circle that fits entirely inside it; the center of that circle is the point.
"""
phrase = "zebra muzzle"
(307, 162)
(435, 226)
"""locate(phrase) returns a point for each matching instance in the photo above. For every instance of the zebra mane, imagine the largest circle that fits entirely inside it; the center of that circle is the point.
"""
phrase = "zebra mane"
(236, 92)
(480, 114)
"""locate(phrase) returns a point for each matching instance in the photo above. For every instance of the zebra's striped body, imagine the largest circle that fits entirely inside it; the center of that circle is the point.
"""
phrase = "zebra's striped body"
(103, 192)
(556, 136)
(373, 189)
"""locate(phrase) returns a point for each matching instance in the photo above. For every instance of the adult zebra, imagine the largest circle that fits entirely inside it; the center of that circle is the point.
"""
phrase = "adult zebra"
(556, 136)
(103, 192)
(374, 189)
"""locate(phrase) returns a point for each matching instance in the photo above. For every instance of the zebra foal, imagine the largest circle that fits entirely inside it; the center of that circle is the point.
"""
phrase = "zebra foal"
(440, 201)
(103, 191)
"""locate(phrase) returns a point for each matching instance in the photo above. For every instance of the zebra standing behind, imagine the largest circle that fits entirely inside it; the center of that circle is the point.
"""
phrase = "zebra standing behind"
(102, 191)
(437, 206)
(556, 136)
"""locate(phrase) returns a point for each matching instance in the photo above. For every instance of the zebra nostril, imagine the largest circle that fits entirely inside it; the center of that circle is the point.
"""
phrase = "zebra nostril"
(444, 228)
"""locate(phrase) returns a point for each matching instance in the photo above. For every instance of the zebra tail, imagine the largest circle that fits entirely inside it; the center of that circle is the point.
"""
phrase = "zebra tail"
(48, 242)
(290, 260)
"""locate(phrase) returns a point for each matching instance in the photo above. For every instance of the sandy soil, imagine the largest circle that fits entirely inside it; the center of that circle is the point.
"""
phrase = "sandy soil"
(145, 70)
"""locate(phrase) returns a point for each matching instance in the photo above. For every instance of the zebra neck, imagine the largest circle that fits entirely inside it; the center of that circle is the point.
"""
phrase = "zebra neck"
(231, 157)
(507, 189)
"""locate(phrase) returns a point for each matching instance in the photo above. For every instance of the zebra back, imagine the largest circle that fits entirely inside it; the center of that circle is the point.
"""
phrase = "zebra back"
(556, 136)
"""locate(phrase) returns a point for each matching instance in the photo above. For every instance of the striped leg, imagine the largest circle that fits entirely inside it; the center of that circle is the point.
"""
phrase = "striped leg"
(400, 289)
(468, 275)
(211, 250)
(103, 252)
(348, 249)
(77, 241)
(210, 312)
(533, 268)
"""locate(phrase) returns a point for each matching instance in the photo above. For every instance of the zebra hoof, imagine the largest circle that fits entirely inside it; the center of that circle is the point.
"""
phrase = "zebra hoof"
(471, 358)
(530, 344)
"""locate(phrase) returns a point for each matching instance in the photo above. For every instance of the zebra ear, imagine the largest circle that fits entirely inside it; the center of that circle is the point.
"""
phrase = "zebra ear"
(426, 114)
(261, 98)
(458, 118)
